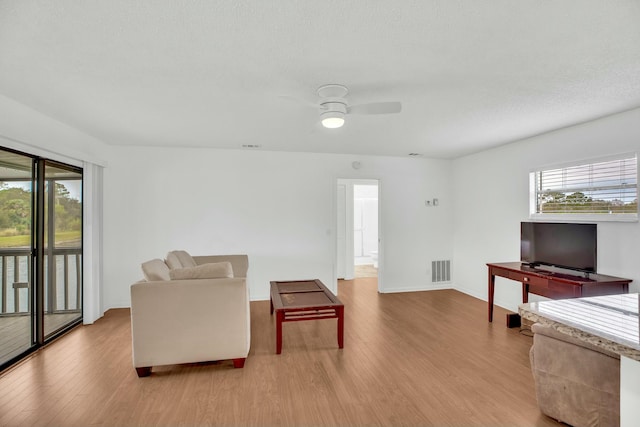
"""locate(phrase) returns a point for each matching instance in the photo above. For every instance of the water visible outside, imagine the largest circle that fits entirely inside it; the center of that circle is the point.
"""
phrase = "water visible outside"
(24, 277)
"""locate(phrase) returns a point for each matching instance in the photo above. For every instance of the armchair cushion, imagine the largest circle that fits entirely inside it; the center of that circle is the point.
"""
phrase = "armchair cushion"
(180, 259)
(239, 263)
(214, 270)
(155, 270)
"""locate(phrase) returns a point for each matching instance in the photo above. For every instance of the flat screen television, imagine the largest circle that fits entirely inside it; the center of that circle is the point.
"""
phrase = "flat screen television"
(564, 245)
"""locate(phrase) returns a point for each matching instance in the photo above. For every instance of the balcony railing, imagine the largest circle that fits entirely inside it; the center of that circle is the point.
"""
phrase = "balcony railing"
(63, 284)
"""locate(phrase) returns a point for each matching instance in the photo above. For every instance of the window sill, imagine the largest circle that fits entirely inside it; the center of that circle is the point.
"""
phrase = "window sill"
(585, 217)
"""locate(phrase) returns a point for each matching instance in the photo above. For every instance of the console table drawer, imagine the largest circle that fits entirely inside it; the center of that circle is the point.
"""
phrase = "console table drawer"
(528, 279)
(556, 290)
(565, 289)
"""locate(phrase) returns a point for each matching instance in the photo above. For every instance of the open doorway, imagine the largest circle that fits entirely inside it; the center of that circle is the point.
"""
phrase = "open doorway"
(365, 230)
(358, 233)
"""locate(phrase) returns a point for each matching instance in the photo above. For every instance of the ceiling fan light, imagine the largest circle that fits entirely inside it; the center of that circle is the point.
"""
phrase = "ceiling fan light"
(332, 119)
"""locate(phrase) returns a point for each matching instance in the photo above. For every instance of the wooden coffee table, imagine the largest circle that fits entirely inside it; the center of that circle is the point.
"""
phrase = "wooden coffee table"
(298, 300)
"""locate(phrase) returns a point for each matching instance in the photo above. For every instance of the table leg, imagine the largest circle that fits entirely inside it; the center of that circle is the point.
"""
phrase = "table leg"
(279, 319)
(271, 302)
(340, 313)
(492, 286)
(525, 293)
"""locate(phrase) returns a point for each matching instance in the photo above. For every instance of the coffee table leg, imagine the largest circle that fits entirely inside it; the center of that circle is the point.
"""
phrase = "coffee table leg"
(279, 319)
(340, 311)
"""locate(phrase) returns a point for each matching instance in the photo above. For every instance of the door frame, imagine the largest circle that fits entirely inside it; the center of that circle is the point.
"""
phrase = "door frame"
(349, 224)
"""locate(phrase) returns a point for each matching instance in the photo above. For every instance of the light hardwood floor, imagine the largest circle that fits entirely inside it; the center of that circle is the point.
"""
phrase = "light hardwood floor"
(422, 358)
(366, 270)
(15, 331)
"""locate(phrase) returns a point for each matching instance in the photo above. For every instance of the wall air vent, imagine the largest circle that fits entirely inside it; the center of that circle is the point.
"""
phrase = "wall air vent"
(441, 271)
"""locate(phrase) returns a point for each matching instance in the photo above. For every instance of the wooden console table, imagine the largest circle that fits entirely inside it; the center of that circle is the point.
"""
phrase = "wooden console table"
(553, 284)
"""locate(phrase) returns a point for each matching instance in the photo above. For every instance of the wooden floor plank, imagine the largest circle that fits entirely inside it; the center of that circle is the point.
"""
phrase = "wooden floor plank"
(15, 331)
(421, 358)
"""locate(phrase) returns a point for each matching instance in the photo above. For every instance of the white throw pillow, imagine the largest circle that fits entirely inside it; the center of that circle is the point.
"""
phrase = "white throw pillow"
(180, 259)
(155, 270)
(213, 270)
(172, 260)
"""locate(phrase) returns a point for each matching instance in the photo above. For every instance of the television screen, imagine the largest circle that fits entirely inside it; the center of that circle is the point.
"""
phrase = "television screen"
(564, 245)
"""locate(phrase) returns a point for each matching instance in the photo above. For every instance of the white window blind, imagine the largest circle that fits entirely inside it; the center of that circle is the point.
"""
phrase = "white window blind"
(604, 188)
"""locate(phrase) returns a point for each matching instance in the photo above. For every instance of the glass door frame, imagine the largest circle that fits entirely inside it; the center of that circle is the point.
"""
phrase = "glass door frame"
(40, 253)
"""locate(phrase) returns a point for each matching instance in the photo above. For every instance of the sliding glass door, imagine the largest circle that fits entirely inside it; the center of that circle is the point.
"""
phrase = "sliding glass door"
(16, 242)
(40, 252)
(62, 248)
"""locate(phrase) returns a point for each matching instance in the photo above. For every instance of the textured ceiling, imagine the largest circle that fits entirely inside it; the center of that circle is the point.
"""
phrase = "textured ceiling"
(201, 73)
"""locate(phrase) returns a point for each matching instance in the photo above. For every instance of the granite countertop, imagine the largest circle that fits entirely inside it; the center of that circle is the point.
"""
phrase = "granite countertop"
(611, 322)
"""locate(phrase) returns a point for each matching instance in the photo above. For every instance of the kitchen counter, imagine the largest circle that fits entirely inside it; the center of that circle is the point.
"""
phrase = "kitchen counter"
(611, 322)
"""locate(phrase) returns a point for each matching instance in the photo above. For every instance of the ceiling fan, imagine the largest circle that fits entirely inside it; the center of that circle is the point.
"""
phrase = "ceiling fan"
(334, 106)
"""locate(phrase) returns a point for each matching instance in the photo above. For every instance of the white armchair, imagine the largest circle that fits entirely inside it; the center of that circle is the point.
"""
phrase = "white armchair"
(192, 320)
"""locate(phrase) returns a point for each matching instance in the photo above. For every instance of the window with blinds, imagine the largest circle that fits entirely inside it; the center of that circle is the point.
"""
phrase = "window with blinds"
(608, 187)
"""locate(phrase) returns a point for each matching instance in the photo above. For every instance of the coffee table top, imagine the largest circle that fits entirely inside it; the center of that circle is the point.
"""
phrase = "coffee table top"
(301, 294)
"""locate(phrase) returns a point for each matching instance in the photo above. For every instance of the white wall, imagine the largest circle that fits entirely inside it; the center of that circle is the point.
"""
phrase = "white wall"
(25, 129)
(491, 197)
(279, 208)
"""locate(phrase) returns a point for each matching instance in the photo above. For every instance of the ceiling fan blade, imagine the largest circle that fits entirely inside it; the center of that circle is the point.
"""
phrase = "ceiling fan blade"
(299, 101)
(375, 108)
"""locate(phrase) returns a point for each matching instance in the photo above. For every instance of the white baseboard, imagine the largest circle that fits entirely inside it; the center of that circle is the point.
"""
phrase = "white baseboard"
(507, 305)
(471, 293)
(260, 297)
(437, 287)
